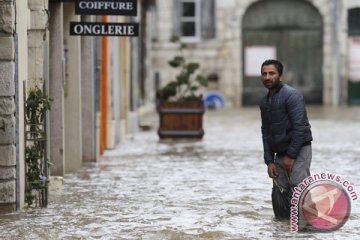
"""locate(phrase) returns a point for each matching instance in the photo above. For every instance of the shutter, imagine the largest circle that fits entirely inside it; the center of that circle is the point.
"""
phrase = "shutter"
(176, 18)
(207, 19)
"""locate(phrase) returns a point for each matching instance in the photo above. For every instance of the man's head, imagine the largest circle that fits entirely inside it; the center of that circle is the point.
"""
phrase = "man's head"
(271, 72)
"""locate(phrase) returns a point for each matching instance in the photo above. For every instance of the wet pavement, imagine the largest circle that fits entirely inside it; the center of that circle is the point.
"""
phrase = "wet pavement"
(216, 188)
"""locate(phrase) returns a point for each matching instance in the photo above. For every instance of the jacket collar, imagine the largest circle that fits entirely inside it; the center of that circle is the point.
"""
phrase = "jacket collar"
(276, 90)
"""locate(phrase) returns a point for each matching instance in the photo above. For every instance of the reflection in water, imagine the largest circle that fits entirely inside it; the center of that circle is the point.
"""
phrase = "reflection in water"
(216, 188)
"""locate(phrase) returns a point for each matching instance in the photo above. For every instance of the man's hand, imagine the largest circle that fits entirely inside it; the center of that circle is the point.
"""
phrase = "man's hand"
(288, 163)
(272, 171)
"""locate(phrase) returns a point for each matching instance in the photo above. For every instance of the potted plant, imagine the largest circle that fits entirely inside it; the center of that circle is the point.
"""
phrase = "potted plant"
(179, 104)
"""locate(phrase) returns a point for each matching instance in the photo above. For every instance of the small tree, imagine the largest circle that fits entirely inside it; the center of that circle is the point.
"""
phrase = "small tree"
(186, 85)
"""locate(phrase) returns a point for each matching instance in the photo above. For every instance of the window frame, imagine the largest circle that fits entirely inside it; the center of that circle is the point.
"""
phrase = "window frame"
(196, 19)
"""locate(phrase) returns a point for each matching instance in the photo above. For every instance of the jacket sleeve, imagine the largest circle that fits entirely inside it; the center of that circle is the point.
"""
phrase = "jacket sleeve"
(295, 105)
(268, 154)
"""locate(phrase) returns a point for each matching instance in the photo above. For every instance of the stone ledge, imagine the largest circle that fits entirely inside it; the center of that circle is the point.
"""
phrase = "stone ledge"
(7, 48)
(35, 67)
(7, 192)
(7, 18)
(7, 155)
(36, 39)
(7, 173)
(7, 130)
(7, 105)
(36, 4)
(7, 207)
(38, 20)
(7, 79)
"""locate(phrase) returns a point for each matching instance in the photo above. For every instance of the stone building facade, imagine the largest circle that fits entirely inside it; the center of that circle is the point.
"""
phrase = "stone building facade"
(7, 107)
(23, 36)
(36, 49)
(224, 54)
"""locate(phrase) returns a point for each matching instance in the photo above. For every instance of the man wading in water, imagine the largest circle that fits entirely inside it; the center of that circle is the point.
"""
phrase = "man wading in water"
(286, 136)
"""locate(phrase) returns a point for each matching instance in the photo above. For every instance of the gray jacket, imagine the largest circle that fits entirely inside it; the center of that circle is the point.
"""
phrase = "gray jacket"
(285, 127)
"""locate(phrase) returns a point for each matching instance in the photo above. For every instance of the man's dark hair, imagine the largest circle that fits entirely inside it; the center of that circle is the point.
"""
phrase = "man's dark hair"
(276, 63)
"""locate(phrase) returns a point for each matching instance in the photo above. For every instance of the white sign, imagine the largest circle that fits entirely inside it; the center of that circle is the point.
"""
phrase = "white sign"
(255, 56)
(354, 58)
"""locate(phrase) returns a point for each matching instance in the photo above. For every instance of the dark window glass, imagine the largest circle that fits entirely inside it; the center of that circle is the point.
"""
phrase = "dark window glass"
(188, 9)
(188, 29)
(354, 21)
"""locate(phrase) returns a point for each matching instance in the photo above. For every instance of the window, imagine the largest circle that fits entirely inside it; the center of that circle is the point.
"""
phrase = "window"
(189, 19)
(194, 20)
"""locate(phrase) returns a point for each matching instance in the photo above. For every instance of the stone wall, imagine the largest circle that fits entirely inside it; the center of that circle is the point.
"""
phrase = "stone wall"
(223, 54)
(7, 108)
(37, 39)
(36, 23)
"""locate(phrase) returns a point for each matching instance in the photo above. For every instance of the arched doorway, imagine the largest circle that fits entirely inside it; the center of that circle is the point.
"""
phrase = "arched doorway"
(290, 31)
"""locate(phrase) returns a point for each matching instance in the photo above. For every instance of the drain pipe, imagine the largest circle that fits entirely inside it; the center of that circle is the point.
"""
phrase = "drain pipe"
(103, 91)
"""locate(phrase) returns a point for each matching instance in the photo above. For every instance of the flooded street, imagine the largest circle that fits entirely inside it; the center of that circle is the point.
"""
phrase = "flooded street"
(216, 188)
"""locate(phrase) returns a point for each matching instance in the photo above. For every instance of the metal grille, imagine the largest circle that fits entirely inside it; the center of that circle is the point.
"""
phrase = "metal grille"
(36, 161)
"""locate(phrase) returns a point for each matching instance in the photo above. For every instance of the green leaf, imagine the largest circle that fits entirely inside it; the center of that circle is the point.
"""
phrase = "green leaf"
(176, 62)
(167, 91)
(183, 46)
(194, 88)
(191, 98)
(183, 78)
(203, 81)
(174, 39)
(192, 67)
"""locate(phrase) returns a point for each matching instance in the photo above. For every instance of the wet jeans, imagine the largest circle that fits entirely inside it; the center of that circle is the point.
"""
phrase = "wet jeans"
(300, 170)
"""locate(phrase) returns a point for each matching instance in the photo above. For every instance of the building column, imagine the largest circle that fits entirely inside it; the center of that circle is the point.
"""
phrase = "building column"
(21, 62)
(116, 90)
(88, 96)
(72, 90)
(125, 74)
(56, 89)
(7, 109)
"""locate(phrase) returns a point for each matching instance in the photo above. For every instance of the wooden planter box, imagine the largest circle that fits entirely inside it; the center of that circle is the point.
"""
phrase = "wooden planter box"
(181, 119)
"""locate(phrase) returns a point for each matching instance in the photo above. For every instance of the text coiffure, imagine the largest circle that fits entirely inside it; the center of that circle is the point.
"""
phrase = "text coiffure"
(103, 5)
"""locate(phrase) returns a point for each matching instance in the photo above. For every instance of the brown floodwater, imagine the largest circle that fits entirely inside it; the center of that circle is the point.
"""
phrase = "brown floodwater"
(216, 188)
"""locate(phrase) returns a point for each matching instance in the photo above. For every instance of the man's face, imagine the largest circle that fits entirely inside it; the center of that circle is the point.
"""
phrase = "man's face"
(270, 76)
